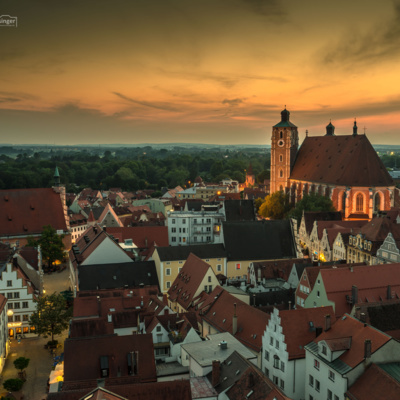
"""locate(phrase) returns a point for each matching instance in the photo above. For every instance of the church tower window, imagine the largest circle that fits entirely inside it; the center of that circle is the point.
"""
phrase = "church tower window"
(281, 173)
(281, 135)
(280, 158)
(359, 203)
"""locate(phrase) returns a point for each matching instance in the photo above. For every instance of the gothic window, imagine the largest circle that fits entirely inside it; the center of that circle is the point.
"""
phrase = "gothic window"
(377, 202)
(280, 158)
(281, 188)
(359, 203)
(280, 135)
(281, 173)
(343, 201)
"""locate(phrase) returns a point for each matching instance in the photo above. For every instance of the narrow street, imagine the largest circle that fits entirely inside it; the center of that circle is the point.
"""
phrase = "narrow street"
(41, 361)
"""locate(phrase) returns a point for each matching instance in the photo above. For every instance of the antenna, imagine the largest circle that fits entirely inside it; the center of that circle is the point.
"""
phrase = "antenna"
(365, 128)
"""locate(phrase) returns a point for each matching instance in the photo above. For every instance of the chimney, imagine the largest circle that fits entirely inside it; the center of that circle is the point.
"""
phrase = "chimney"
(99, 305)
(327, 322)
(363, 317)
(250, 380)
(354, 294)
(318, 331)
(367, 349)
(216, 372)
(389, 292)
(289, 305)
(234, 321)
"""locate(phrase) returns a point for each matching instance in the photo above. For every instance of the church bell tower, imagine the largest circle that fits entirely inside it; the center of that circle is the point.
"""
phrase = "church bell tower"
(284, 145)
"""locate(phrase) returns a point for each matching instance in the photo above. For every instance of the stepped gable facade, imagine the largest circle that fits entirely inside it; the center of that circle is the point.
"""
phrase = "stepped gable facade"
(345, 168)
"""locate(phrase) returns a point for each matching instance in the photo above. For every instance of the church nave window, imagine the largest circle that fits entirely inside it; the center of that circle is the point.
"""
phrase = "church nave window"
(359, 203)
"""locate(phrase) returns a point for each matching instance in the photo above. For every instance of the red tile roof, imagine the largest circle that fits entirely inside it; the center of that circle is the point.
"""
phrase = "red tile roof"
(297, 330)
(349, 327)
(218, 310)
(24, 212)
(311, 216)
(142, 236)
(277, 269)
(116, 348)
(374, 384)
(340, 160)
(188, 281)
(371, 280)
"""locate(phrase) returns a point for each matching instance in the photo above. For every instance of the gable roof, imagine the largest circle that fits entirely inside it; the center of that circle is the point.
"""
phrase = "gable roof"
(253, 384)
(259, 240)
(112, 276)
(375, 383)
(298, 330)
(176, 253)
(116, 349)
(142, 236)
(188, 281)
(372, 283)
(310, 217)
(218, 310)
(277, 268)
(349, 327)
(24, 212)
(340, 160)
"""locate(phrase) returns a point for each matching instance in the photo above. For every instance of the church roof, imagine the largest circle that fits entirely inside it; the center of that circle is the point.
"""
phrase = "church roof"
(340, 160)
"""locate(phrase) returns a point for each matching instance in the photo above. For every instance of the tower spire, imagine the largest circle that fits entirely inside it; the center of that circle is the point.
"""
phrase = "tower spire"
(355, 128)
(56, 177)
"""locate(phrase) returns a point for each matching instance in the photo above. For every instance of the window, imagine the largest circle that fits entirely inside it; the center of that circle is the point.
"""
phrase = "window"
(323, 349)
(271, 341)
(336, 397)
(9, 295)
(209, 288)
(266, 355)
(237, 266)
(281, 158)
(209, 220)
(17, 305)
(282, 366)
(276, 362)
(173, 230)
(25, 317)
(359, 203)
(168, 271)
(316, 364)
(173, 239)
(16, 295)
(311, 398)
(311, 380)
(281, 173)
(17, 318)
(332, 376)
(10, 306)
(208, 229)
(329, 397)
(219, 267)
(282, 384)
(318, 293)
(275, 380)
(277, 344)
(158, 328)
(184, 230)
(168, 284)
(184, 221)
(173, 220)
(9, 283)
(317, 385)
(266, 372)
(10, 318)
(208, 238)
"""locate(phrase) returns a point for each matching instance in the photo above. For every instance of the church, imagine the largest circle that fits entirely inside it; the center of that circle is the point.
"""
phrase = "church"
(346, 168)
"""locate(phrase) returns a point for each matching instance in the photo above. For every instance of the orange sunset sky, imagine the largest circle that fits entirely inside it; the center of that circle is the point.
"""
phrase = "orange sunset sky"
(201, 71)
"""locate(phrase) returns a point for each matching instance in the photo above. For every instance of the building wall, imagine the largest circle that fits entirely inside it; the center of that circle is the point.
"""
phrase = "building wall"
(155, 205)
(107, 252)
(19, 300)
(388, 253)
(317, 296)
(339, 249)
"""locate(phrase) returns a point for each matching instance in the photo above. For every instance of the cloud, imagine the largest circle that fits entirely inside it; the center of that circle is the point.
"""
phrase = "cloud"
(8, 99)
(233, 102)
(380, 42)
(267, 8)
(155, 104)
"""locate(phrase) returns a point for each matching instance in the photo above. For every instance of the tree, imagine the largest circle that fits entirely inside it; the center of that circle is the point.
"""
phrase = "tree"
(51, 245)
(311, 202)
(21, 363)
(51, 316)
(13, 385)
(275, 206)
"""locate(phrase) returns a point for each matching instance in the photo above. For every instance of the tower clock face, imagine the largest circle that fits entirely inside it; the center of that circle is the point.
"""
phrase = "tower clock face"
(281, 143)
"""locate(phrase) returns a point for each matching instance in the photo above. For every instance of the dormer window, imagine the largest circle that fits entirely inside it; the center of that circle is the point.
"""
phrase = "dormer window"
(323, 350)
